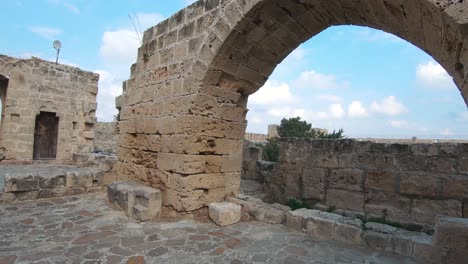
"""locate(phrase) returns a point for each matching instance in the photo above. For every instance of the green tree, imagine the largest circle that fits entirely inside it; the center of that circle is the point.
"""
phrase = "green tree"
(270, 151)
(295, 127)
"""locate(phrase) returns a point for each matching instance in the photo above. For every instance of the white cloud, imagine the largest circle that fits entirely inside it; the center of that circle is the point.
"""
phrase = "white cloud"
(118, 51)
(356, 109)
(336, 111)
(314, 80)
(432, 75)
(280, 112)
(298, 54)
(330, 98)
(273, 92)
(389, 106)
(110, 86)
(45, 32)
(71, 7)
(407, 126)
(121, 46)
(446, 132)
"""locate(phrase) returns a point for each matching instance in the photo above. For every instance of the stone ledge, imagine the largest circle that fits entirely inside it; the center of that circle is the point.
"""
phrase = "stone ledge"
(30, 182)
(138, 201)
(447, 246)
(253, 208)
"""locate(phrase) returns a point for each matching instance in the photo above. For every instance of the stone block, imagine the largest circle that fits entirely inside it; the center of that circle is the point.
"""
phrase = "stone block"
(348, 231)
(404, 241)
(393, 206)
(260, 211)
(21, 182)
(420, 183)
(382, 180)
(451, 233)
(321, 228)
(346, 179)
(231, 163)
(313, 181)
(425, 252)
(79, 179)
(298, 219)
(117, 193)
(426, 211)
(463, 165)
(346, 200)
(455, 186)
(455, 257)
(144, 203)
(224, 214)
(184, 164)
(52, 181)
(378, 241)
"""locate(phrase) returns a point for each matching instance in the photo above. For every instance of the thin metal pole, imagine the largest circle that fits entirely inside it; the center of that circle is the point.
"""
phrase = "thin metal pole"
(58, 52)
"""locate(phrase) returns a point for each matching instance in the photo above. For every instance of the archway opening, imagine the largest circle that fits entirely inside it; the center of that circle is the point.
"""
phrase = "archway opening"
(370, 83)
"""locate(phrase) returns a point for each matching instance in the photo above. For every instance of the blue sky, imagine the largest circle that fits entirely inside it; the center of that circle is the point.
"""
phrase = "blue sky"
(365, 81)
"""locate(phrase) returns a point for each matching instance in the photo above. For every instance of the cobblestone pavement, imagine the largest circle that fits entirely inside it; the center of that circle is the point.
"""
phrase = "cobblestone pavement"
(86, 229)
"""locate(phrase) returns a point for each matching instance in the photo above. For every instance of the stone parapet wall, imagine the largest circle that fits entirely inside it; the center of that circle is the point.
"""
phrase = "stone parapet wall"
(35, 86)
(408, 183)
(105, 138)
(254, 137)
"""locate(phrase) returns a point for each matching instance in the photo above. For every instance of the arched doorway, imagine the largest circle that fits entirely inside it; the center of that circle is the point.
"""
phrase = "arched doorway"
(3, 94)
(185, 104)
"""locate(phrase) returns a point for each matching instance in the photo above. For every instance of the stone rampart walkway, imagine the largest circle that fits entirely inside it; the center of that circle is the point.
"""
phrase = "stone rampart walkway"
(85, 229)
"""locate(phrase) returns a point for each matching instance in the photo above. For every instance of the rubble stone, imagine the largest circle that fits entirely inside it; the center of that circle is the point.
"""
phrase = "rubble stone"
(224, 214)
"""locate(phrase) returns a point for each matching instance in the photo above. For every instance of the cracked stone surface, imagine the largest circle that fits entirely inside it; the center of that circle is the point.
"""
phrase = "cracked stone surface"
(86, 229)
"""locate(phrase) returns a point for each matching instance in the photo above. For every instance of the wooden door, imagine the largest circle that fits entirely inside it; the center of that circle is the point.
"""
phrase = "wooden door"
(45, 136)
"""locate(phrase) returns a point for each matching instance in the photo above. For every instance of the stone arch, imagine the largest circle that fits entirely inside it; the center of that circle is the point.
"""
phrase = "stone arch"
(252, 37)
(183, 109)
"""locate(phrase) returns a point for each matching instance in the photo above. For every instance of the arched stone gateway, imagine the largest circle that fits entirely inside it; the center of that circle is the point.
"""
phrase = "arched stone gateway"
(183, 109)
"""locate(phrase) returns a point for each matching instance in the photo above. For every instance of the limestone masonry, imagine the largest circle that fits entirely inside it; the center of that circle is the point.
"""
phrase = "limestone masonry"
(48, 110)
(183, 109)
(407, 183)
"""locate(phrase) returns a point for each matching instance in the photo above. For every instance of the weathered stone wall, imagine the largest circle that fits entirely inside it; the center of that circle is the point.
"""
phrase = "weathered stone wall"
(409, 183)
(183, 109)
(255, 137)
(251, 155)
(36, 85)
(105, 137)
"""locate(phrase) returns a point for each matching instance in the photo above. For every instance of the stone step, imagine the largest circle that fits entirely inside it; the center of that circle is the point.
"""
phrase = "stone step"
(138, 201)
(37, 181)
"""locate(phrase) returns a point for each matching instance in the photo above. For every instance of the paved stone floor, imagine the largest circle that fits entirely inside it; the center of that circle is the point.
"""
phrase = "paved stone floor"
(85, 229)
